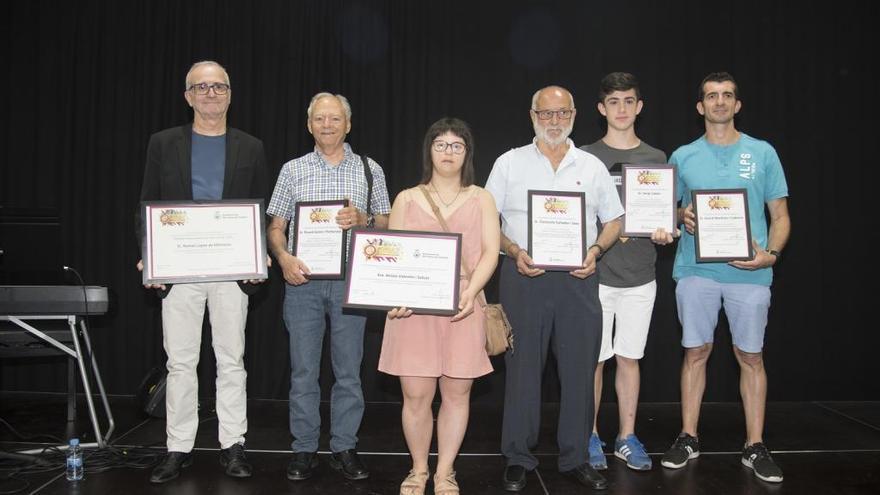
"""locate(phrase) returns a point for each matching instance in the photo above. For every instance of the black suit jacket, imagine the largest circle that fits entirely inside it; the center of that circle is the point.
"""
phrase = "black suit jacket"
(168, 171)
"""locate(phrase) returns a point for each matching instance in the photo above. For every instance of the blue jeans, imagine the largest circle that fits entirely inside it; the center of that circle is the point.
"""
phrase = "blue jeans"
(305, 308)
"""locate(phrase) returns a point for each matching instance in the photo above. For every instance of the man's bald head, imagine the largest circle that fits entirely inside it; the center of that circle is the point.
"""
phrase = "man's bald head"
(557, 91)
(553, 114)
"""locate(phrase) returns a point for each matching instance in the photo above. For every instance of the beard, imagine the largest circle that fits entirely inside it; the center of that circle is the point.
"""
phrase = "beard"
(543, 134)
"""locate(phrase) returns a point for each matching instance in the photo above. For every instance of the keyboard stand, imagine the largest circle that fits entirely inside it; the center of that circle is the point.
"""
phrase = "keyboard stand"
(75, 354)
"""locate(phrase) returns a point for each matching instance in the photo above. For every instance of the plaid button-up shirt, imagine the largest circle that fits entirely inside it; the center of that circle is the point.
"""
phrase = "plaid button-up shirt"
(310, 178)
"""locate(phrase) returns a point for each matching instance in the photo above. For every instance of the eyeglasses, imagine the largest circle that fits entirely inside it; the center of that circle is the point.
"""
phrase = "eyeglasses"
(548, 114)
(442, 146)
(203, 88)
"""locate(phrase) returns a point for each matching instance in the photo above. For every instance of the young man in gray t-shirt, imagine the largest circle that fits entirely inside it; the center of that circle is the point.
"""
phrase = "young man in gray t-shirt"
(627, 284)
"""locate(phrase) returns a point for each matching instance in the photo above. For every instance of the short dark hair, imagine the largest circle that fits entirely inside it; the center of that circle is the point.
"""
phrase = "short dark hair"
(717, 77)
(461, 129)
(618, 81)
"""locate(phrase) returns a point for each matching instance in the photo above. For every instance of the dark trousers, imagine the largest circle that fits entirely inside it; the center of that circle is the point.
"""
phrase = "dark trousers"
(557, 311)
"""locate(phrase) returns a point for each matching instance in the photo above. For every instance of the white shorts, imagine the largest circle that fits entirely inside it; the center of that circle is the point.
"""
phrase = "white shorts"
(626, 310)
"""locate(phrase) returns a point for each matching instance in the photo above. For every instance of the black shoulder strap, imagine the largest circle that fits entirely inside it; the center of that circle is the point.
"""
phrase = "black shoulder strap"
(369, 175)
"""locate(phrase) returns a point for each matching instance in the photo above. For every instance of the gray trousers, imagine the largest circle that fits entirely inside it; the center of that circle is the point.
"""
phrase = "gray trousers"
(553, 311)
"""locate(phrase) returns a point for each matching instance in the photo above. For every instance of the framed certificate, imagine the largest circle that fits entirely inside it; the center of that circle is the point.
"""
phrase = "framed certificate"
(195, 241)
(722, 231)
(397, 268)
(556, 229)
(649, 199)
(318, 240)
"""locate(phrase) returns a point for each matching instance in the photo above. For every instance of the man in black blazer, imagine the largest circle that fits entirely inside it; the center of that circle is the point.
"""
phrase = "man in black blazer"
(205, 160)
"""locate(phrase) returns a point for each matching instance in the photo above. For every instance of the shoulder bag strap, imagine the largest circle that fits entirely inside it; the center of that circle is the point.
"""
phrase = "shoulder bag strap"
(446, 228)
(369, 176)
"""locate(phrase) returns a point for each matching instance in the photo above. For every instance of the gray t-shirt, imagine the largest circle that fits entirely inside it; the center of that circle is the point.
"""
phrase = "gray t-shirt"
(630, 261)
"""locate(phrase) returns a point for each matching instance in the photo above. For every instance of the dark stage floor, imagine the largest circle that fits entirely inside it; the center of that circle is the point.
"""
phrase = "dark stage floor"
(824, 448)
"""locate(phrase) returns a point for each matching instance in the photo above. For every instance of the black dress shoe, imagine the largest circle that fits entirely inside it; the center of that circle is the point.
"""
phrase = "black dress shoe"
(587, 476)
(170, 466)
(514, 478)
(302, 466)
(349, 464)
(235, 462)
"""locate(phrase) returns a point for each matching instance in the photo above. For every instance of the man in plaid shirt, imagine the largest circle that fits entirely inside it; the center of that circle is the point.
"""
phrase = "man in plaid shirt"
(331, 172)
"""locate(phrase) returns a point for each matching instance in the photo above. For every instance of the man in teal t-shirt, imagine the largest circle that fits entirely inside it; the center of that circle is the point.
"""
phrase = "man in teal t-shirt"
(724, 158)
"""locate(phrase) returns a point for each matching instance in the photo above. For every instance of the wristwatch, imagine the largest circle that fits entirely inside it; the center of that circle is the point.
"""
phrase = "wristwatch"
(371, 221)
(597, 246)
(775, 253)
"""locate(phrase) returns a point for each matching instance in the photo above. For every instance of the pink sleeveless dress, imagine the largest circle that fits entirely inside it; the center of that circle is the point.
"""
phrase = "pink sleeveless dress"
(433, 346)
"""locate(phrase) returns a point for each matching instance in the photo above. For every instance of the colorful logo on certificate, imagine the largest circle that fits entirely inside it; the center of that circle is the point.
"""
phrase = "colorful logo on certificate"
(381, 250)
(555, 205)
(319, 215)
(646, 177)
(719, 203)
(172, 217)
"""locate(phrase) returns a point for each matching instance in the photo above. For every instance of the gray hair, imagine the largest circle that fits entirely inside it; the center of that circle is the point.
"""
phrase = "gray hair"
(342, 100)
(538, 93)
(203, 63)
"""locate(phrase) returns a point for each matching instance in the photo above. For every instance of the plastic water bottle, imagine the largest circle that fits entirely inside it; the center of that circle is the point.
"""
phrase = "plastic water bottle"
(74, 461)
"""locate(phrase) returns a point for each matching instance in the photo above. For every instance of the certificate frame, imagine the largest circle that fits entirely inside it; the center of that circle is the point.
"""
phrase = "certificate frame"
(212, 227)
(706, 201)
(332, 268)
(372, 250)
(637, 182)
(559, 202)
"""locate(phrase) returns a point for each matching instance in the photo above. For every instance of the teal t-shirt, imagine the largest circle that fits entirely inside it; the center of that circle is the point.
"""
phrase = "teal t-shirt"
(750, 164)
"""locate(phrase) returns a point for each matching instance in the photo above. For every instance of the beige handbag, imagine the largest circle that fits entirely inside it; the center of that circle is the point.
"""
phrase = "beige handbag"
(499, 334)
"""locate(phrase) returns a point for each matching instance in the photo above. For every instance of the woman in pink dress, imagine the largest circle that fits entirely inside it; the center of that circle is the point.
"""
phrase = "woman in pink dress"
(427, 350)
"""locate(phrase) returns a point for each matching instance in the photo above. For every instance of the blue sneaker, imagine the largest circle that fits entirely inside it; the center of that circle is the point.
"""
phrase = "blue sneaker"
(631, 450)
(597, 457)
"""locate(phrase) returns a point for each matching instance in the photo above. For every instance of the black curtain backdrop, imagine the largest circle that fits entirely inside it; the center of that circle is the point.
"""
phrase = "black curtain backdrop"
(87, 82)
